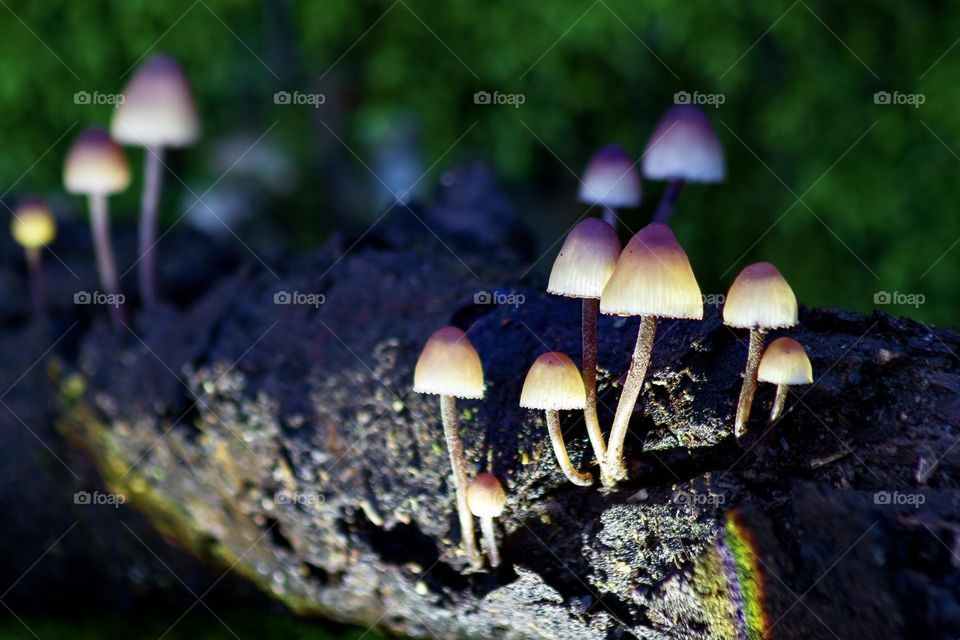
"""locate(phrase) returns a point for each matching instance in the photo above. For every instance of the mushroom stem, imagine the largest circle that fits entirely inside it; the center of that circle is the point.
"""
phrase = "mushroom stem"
(490, 541)
(149, 208)
(749, 382)
(669, 198)
(106, 267)
(779, 401)
(628, 397)
(448, 413)
(37, 287)
(580, 478)
(609, 216)
(589, 321)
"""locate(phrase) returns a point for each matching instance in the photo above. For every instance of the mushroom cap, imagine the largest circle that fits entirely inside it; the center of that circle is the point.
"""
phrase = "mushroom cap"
(33, 226)
(485, 496)
(653, 278)
(760, 298)
(684, 146)
(449, 366)
(96, 165)
(158, 107)
(611, 179)
(553, 382)
(785, 362)
(586, 260)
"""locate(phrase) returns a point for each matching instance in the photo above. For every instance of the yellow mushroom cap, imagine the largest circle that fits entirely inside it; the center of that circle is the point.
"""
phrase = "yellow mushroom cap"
(653, 278)
(586, 260)
(785, 362)
(485, 496)
(760, 298)
(96, 165)
(553, 382)
(33, 226)
(449, 366)
(157, 108)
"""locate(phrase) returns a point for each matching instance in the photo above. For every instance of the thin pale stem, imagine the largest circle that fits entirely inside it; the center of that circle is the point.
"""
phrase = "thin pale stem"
(490, 541)
(580, 478)
(779, 402)
(628, 397)
(448, 413)
(667, 201)
(589, 321)
(149, 208)
(749, 388)
(106, 267)
(609, 216)
(37, 285)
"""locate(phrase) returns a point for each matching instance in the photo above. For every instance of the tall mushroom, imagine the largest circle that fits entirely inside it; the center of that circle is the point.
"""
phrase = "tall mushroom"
(487, 499)
(759, 299)
(683, 148)
(450, 367)
(157, 112)
(784, 363)
(33, 227)
(610, 181)
(96, 167)
(581, 270)
(553, 384)
(653, 279)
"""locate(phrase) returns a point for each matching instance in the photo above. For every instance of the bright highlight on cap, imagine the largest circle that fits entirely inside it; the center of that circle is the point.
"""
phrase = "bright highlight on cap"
(760, 298)
(158, 107)
(96, 165)
(485, 496)
(553, 383)
(33, 226)
(586, 260)
(449, 366)
(611, 180)
(785, 362)
(684, 146)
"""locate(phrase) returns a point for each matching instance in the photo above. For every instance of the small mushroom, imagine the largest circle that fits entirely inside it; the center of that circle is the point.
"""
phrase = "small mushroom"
(610, 181)
(97, 167)
(157, 112)
(33, 227)
(683, 148)
(450, 367)
(581, 270)
(784, 363)
(553, 384)
(759, 299)
(653, 279)
(486, 500)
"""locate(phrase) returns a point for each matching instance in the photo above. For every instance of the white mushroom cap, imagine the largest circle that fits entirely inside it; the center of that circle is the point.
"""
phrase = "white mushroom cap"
(586, 260)
(553, 382)
(760, 298)
(33, 226)
(485, 496)
(158, 107)
(653, 278)
(785, 362)
(611, 179)
(449, 366)
(96, 165)
(684, 146)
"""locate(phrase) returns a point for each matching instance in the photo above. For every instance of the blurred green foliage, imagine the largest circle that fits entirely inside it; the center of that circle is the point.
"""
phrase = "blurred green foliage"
(875, 181)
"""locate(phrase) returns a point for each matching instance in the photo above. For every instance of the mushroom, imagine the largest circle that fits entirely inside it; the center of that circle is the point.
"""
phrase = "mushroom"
(553, 385)
(450, 367)
(759, 299)
(97, 167)
(581, 270)
(157, 111)
(486, 499)
(610, 181)
(784, 363)
(683, 148)
(33, 227)
(653, 279)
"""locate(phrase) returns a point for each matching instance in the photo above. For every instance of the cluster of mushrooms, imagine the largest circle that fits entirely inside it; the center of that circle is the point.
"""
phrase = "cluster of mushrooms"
(157, 112)
(650, 278)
